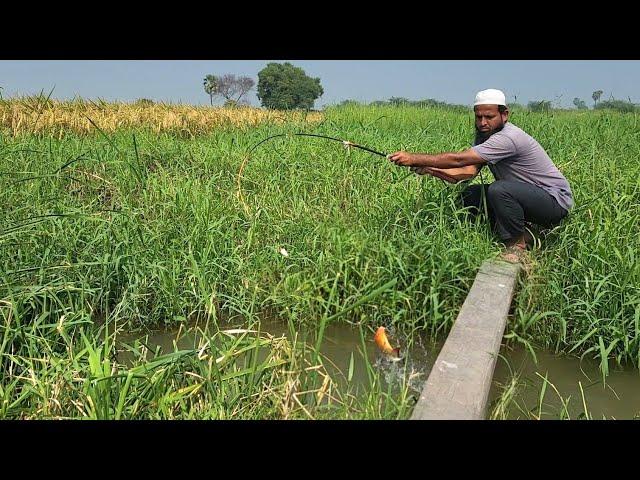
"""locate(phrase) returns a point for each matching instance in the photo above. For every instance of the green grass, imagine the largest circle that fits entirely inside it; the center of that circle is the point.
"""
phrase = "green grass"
(140, 230)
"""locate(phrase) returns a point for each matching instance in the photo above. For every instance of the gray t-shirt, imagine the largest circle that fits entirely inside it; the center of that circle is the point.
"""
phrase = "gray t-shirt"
(512, 154)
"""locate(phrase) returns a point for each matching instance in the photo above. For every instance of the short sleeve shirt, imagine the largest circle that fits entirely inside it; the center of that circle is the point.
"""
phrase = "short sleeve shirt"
(514, 155)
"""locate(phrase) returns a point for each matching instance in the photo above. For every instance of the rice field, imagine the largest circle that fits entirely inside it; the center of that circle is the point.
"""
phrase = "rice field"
(119, 218)
(40, 114)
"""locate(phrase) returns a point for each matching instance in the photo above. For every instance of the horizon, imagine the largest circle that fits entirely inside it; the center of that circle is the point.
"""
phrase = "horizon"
(365, 81)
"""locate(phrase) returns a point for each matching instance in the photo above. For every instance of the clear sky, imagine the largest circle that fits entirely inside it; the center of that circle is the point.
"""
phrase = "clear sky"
(453, 81)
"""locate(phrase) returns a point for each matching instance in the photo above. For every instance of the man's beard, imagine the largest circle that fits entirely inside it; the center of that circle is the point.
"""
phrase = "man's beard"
(483, 136)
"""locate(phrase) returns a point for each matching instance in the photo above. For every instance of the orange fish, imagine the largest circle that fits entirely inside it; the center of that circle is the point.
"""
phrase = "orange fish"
(383, 343)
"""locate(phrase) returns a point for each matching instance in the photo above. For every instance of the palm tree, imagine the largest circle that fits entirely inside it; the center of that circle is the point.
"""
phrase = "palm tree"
(596, 97)
(210, 83)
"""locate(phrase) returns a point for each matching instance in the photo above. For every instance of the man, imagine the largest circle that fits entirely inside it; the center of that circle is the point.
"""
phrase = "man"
(528, 186)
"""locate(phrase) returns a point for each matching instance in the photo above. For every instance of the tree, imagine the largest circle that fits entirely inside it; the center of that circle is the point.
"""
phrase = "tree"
(596, 96)
(396, 101)
(210, 82)
(618, 105)
(348, 103)
(229, 87)
(283, 86)
(539, 105)
(580, 105)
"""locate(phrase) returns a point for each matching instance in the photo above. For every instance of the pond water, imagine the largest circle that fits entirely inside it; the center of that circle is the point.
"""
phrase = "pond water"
(572, 389)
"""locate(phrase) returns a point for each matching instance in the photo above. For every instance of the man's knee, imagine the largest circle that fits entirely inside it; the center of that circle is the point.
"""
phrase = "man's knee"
(498, 190)
(470, 196)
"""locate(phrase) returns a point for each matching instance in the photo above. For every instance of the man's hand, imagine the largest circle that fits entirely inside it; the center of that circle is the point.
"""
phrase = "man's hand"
(404, 159)
(420, 170)
(434, 172)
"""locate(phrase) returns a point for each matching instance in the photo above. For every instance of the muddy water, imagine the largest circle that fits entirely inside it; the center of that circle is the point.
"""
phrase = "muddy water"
(341, 345)
(581, 390)
(617, 398)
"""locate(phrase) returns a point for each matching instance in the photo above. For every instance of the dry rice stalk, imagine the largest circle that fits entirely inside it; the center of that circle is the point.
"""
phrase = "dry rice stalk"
(19, 116)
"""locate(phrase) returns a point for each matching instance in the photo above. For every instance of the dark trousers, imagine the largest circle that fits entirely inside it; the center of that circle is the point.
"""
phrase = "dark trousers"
(510, 204)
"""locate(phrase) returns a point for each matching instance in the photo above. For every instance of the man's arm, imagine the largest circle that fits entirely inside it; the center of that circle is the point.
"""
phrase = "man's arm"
(451, 175)
(441, 160)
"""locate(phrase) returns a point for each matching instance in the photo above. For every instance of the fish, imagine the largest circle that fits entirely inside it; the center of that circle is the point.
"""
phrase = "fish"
(383, 343)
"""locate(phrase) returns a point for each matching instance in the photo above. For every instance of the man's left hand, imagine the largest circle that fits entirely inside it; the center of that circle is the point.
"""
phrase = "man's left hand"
(404, 159)
(420, 170)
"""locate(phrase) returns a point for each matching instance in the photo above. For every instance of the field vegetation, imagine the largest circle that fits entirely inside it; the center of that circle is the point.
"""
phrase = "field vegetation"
(120, 218)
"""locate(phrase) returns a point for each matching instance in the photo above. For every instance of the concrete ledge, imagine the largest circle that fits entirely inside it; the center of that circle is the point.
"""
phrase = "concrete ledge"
(459, 383)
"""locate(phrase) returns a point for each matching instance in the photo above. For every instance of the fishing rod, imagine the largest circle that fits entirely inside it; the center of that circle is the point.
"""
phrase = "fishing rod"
(347, 144)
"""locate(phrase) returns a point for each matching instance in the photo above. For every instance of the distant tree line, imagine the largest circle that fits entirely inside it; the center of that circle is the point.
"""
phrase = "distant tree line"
(283, 86)
(579, 104)
(533, 106)
(401, 101)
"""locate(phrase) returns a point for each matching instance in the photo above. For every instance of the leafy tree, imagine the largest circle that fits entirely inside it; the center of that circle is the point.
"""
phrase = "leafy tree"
(596, 96)
(284, 86)
(228, 86)
(580, 105)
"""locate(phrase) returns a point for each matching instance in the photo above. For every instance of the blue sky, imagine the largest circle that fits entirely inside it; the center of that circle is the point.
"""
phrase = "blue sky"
(453, 81)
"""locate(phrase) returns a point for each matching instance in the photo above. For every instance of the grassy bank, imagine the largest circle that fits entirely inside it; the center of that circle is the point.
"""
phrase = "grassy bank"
(140, 228)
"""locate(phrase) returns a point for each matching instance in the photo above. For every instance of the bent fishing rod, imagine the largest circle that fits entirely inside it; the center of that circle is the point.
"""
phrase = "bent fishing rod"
(347, 144)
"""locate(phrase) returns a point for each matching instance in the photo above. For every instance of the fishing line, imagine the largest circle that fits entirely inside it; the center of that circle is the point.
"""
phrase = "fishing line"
(347, 144)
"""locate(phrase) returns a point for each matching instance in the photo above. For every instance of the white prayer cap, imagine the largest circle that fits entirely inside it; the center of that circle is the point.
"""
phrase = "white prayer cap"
(490, 96)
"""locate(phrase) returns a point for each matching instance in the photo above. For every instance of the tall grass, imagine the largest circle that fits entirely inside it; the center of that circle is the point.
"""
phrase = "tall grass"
(584, 295)
(140, 226)
(68, 370)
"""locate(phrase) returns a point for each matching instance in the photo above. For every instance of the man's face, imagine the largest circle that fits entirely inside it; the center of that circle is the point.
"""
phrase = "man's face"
(489, 120)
